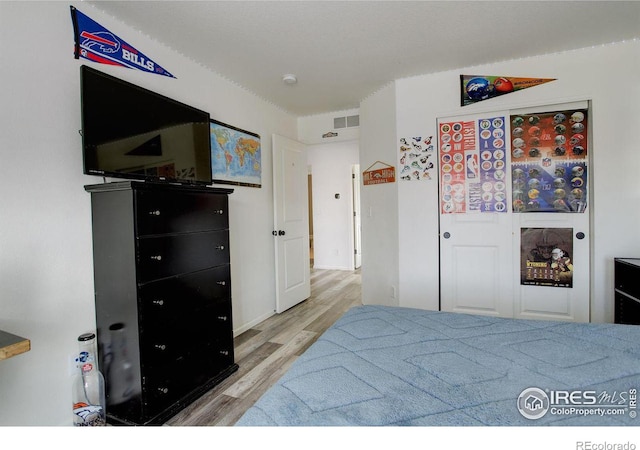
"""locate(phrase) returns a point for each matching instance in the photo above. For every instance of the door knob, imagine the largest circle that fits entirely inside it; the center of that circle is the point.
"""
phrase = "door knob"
(280, 233)
(446, 235)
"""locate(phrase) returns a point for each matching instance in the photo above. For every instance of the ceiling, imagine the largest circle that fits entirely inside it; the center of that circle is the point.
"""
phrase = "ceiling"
(343, 51)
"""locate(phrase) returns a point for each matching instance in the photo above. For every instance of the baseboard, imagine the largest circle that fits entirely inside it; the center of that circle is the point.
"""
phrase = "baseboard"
(254, 322)
(320, 267)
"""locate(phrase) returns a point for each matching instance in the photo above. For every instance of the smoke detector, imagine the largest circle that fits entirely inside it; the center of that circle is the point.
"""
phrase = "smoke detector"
(289, 79)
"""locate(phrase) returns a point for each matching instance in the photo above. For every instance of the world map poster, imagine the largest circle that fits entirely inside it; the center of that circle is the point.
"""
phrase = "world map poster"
(236, 156)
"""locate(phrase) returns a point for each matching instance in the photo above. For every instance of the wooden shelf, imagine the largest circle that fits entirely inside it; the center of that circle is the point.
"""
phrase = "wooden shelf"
(12, 345)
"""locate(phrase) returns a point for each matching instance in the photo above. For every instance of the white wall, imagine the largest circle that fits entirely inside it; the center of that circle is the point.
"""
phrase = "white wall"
(379, 203)
(312, 128)
(331, 165)
(46, 274)
(607, 75)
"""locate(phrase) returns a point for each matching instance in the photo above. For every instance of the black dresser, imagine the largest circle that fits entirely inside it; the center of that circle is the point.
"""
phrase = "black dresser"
(627, 290)
(162, 296)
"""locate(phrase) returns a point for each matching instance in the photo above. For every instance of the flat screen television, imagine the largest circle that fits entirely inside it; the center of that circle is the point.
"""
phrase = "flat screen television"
(132, 132)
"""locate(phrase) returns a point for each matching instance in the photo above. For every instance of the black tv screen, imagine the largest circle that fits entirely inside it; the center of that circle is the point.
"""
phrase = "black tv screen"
(132, 132)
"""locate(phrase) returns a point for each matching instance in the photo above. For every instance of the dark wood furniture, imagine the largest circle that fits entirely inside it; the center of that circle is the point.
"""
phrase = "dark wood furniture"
(627, 290)
(162, 295)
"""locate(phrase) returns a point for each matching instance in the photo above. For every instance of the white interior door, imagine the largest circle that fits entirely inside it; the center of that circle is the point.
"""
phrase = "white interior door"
(546, 234)
(291, 222)
(475, 228)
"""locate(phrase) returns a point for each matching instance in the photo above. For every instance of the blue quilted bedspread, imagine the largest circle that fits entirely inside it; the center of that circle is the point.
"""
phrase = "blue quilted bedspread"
(381, 365)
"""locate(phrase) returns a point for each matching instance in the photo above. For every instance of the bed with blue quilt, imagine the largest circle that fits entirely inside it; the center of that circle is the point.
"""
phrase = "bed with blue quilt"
(395, 366)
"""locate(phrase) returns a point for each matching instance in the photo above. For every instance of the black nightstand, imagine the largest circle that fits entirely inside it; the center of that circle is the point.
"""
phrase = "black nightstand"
(627, 290)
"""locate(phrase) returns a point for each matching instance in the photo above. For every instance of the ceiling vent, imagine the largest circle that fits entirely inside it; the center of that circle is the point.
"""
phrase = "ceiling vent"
(346, 122)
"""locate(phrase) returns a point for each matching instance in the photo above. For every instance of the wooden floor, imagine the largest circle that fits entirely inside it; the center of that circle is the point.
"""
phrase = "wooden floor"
(265, 352)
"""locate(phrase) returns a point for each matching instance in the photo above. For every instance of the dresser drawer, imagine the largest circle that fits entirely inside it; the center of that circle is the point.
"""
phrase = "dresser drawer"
(165, 256)
(169, 339)
(200, 334)
(175, 297)
(212, 355)
(179, 212)
(163, 386)
(173, 382)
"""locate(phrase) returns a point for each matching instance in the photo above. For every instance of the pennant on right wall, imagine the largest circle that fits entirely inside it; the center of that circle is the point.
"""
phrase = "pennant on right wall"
(476, 88)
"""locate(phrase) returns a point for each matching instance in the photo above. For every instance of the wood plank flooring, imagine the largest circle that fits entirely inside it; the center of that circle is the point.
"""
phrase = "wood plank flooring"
(266, 351)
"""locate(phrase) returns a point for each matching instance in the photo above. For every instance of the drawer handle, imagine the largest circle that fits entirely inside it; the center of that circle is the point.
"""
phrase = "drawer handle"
(163, 390)
(158, 302)
(154, 213)
(219, 247)
(221, 283)
(218, 212)
(223, 318)
(160, 346)
(157, 258)
(224, 352)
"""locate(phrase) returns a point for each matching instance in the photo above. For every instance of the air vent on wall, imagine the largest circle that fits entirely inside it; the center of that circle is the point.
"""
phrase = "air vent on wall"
(353, 121)
(346, 122)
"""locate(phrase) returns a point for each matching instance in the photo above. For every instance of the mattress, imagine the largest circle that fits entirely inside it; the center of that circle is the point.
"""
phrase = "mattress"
(395, 366)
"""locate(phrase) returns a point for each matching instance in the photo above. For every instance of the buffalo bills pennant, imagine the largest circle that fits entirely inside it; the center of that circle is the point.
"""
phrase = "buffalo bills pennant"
(97, 44)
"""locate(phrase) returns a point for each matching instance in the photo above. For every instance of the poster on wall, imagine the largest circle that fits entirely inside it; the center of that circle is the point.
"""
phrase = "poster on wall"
(455, 140)
(95, 43)
(472, 158)
(492, 165)
(549, 161)
(416, 158)
(545, 257)
(476, 88)
(236, 155)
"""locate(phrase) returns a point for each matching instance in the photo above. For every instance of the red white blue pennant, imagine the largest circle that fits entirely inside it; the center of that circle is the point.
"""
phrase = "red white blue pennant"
(476, 88)
(95, 43)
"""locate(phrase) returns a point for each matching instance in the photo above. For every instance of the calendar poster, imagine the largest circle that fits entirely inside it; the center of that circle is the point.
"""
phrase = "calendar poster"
(546, 257)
